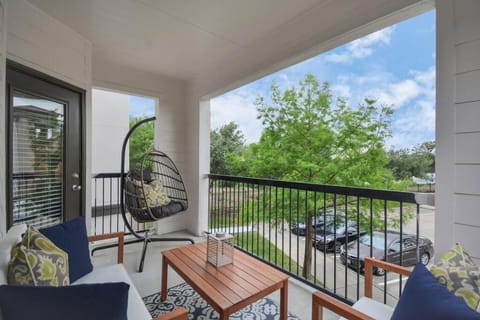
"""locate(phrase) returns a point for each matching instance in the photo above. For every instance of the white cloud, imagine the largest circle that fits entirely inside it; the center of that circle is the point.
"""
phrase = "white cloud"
(397, 94)
(341, 91)
(415, 122)
(238, 107)
(415, 125)
(413, 99)
(362, 47)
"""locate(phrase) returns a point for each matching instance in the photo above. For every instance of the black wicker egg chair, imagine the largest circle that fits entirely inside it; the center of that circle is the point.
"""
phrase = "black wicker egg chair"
(153, 190)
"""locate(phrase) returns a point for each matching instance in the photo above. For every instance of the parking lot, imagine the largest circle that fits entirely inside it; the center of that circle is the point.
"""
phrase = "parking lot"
(329, 270)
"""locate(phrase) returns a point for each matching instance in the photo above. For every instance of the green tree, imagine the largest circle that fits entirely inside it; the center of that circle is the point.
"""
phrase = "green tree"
(308, 136)
(141, 140)
(418, 161)
(225, 141)
(427, 151)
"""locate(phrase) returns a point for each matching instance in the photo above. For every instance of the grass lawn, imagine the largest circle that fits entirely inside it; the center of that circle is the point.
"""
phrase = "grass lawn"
(260, 246)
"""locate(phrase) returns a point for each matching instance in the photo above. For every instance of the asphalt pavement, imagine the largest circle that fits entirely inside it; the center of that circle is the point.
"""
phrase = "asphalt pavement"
(329, 270)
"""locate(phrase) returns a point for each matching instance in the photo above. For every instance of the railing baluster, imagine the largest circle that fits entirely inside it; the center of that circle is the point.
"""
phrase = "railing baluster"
(358, 247)
(314, 250)
(95, 208)
(346, 235)
(283, 227)
(385, 227)
(324, 255)
(276, 222)
(334, 240)
(306, 226)
(401, 247)
(269, 224)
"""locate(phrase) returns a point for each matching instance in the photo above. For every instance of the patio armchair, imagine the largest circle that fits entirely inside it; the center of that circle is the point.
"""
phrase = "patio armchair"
(365, 308)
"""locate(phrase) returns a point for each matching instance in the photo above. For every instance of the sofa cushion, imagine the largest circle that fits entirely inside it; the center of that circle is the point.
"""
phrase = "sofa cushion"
(13, 236)
(106, 301)
(37, 261)
(425, 298)
(71, 236)
(115, 273)
(457, 271)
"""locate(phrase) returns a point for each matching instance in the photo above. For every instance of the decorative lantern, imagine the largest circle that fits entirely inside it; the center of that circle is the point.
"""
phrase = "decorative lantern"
(220, 249)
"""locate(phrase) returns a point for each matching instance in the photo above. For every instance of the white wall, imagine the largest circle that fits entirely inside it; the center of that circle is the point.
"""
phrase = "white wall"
(458, 125)
(36, 40)
(170, 126)
(110, 124)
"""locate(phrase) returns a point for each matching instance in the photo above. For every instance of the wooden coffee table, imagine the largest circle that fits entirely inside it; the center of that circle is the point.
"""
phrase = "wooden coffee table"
(228, 288)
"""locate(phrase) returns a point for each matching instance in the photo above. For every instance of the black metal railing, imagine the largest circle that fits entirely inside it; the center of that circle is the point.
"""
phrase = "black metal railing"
(106, 214)
(268, 219)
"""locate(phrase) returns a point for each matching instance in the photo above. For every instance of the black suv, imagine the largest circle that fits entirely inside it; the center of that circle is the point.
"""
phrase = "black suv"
(300, 228)
(335, 234)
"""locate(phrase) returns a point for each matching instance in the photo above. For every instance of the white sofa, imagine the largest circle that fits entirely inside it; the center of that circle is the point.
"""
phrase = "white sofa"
(111, 273)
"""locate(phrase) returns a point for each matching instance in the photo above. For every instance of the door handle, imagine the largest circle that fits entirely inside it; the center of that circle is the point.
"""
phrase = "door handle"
(76, 187)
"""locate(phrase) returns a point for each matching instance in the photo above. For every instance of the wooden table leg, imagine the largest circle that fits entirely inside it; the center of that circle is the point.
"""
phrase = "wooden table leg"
(223, 315)
(284, 300)
(164, 278)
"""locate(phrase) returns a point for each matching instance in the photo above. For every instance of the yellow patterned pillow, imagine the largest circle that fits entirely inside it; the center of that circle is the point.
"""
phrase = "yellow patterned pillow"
(457, 271)
(37, 261)
(154, 194)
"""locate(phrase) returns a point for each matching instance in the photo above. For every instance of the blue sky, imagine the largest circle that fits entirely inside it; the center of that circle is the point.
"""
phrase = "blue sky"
(395, 65)
(141, 107)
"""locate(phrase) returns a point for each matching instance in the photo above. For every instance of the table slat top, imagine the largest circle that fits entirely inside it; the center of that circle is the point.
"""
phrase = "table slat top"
(227, 285)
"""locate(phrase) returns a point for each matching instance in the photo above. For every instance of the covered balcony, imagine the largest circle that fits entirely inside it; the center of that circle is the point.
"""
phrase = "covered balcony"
(183, 54)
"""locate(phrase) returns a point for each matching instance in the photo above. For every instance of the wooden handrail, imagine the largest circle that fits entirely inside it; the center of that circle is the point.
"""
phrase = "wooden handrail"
(370, 263)
(121, 241)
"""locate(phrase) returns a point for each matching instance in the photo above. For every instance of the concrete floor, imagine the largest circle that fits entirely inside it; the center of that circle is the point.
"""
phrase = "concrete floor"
(149, 281)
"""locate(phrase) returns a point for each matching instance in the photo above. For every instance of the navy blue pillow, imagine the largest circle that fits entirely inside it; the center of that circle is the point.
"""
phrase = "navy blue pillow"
(424, 298)
(71, 237)
(105, 301)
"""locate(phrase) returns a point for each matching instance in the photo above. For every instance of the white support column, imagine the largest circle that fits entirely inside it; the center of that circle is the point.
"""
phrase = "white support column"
(203, 164)
(458, 130)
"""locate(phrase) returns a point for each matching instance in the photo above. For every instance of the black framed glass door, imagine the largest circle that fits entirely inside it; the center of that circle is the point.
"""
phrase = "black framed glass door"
(45, 150)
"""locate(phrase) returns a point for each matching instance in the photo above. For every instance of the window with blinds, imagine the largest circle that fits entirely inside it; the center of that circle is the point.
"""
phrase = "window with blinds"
(37, 145)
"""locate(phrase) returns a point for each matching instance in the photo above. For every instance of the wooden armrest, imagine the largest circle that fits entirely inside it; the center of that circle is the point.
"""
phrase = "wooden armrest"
(119, 235)
(387, 266)
(177, 314)
(321, 300)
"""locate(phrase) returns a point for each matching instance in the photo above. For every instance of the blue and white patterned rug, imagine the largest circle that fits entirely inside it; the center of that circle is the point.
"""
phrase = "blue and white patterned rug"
(183, 295)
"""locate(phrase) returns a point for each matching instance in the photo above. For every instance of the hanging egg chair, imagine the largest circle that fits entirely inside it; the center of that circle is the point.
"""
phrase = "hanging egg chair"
(151, 191)
(155, 190)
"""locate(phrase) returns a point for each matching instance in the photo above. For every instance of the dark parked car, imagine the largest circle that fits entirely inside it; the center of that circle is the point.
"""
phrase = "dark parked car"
(318, 222)
(335, 234)
(377, 239)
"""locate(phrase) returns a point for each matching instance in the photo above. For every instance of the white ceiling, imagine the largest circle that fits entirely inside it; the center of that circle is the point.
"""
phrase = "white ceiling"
(184, 39)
